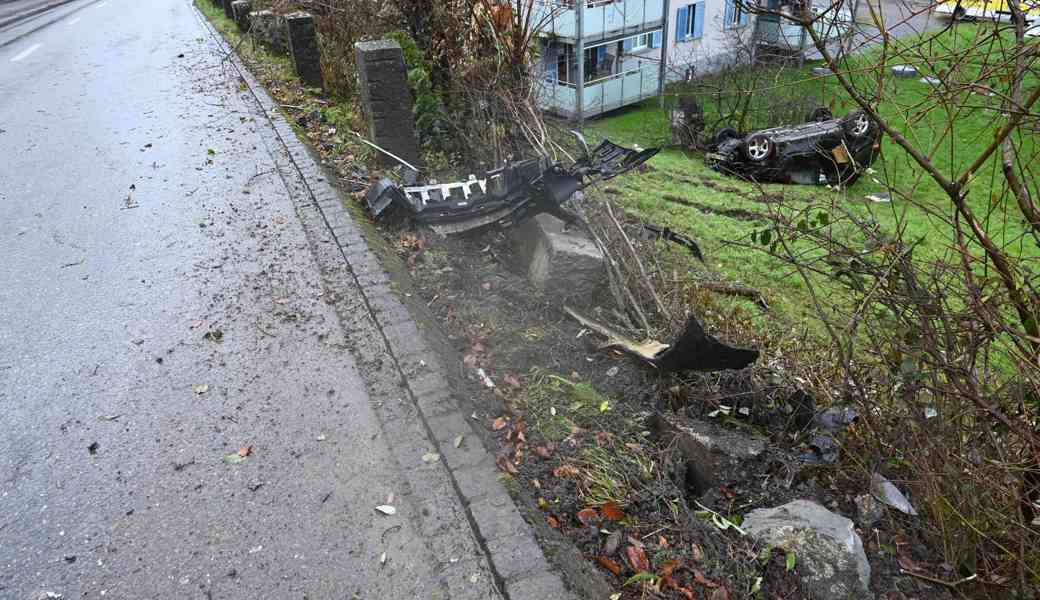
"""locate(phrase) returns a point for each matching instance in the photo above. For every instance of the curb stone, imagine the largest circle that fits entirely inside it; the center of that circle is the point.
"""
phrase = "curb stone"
(426, 418)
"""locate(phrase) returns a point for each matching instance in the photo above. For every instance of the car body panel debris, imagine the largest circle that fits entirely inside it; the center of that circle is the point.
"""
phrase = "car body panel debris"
(506, 196)
(693, 351)
(823, 150)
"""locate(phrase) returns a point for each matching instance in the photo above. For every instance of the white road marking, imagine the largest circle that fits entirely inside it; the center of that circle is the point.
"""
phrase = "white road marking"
(74, 21)
(26, 52)
(101, 4)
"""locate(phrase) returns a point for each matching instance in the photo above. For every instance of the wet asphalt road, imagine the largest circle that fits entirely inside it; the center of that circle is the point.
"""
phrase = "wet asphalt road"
(140, 211)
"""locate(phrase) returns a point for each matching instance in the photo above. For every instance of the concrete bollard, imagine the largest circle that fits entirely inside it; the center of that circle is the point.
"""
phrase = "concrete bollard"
(240, 9)
(386, 97)
(303, 44)
(564, 265)
(268, 29)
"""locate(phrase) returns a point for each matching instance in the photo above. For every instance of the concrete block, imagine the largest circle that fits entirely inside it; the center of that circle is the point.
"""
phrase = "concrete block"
(303, 44)
(240, 10)
(559, 263)
(269, 29)
(386, 98)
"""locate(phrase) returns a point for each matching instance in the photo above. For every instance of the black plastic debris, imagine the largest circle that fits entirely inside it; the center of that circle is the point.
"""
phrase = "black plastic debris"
(507, 196)
(695, 350)
(666, 234)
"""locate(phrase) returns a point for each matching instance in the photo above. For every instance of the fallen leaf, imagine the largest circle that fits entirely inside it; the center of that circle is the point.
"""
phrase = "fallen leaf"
(382, 558)
(543, 503)
(245, 451)
(720, 594)
(552, 410)
(634, 447)
(506, 465)
(696, 553)
(553, 522)
(512, 380)
(542, 451)
(662, 541)
(281, 301)
(430, 457)
(636, 558)
(908, 564)
(668, 568)
(201, 388)
(686, 592)
(234, 459)
(609, 565)
(498, 424)
(458, 440)
(699, 577)
(387, 509)
(566, 470)
(588, 516)
(612, 512)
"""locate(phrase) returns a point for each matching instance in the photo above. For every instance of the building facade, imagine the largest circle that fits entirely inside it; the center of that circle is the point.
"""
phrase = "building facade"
(629, 48)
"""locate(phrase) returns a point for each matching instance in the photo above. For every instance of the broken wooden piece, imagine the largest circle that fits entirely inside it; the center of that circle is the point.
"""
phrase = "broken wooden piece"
(693, 351)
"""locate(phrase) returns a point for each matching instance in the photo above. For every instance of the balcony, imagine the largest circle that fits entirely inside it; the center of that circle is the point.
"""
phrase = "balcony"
(601, 95)
(601, 19)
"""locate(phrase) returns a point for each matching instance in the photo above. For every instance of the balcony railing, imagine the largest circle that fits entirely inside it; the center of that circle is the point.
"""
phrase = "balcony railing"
(600, 19)
(600, 95)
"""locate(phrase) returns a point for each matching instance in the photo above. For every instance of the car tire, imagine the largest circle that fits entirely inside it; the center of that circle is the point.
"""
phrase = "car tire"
(727, 133)
(820, 113)
(759, 148)
(857, 125)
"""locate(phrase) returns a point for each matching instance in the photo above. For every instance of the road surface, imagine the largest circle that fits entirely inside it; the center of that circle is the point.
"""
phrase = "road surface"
(160, 312)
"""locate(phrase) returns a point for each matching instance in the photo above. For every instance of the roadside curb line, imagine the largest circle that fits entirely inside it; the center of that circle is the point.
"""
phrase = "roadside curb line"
(504, 537)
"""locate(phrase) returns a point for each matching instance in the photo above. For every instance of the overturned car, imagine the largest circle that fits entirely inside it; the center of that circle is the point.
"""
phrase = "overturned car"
(823, 150)
(506, 196)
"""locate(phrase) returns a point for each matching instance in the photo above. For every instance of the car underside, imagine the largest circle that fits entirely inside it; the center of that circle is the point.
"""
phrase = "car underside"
(823, 150)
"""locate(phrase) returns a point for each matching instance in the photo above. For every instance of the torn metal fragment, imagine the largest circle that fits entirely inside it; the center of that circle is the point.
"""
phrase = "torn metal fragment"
(693, 351)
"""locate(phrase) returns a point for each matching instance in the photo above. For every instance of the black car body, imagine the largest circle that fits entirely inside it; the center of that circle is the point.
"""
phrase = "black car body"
(506, 196)
(823, 150)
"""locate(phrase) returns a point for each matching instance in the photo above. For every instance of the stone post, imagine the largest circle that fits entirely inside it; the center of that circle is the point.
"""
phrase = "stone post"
(303, 45)
(227, 8)
(387, 98)
(240, 9)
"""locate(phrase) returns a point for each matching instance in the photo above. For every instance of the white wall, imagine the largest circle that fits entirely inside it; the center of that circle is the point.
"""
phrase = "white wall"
(714, 49)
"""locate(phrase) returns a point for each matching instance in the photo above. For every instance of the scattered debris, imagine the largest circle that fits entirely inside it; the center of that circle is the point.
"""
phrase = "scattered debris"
(387, 509)
(886, 491)
(693, 351)
(664, 233)
(904, 71)
(431, 457)
(214, 335)
(868, 511)
(200, 388)
(822, 150)
(879, 198)
(507, 196)
(93, 448)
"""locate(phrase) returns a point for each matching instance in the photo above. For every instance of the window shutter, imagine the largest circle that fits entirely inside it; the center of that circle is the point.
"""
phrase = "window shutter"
(698, 20)
(627, 45)
(655, 41)
(681, 21)
(744, 16)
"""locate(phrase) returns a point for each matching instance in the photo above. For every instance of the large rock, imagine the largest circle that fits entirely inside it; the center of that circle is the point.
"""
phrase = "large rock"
(560, 263)
(829, 552)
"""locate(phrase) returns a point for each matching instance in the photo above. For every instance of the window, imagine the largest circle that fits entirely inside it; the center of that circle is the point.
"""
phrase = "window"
(736, 15)
(641, 42)
(690, 22)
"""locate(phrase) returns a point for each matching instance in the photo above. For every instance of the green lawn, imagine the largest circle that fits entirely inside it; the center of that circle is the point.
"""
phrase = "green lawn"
(723, 208)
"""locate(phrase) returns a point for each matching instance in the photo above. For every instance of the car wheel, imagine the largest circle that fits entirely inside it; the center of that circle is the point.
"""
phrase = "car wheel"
(758, 148)
(725, 134)
(820, 113)
(857, 124)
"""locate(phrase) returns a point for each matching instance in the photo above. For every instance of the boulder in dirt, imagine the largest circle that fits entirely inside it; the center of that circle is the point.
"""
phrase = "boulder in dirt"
(706, 449)
(829, 552)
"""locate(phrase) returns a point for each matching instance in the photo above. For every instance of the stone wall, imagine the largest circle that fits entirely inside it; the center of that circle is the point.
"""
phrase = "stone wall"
(387, 98)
